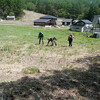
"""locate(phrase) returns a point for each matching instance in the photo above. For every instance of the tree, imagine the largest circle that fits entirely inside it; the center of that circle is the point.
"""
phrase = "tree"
(76, 9)
(61, 13)
(94, 10)
(1, 12)
(31, 6)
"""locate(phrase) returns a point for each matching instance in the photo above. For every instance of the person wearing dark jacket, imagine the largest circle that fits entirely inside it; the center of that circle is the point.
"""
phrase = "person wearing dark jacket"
(70, 39)
(52, 40)
(41, 36)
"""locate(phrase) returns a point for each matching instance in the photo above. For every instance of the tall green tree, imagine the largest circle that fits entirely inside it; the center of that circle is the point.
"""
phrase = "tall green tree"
(94, 10)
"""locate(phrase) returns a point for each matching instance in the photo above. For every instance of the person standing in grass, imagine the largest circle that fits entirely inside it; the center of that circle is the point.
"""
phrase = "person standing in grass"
(70, 39)
(41, 36)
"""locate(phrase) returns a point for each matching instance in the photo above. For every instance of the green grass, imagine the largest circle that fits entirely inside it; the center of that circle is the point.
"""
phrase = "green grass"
(16, 37)
(30, 70)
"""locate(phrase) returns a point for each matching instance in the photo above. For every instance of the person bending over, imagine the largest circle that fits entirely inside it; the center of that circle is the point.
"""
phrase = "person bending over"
(52, 40)
(41, 36)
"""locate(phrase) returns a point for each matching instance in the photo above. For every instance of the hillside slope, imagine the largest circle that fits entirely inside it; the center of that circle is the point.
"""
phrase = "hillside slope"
(30, 15)
(27, 19)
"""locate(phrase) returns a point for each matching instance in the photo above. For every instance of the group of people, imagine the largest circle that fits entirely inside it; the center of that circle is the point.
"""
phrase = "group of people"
(53, 39)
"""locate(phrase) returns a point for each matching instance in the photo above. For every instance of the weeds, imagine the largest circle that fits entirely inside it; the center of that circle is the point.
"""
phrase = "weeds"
(30, 70)
(18, 53)
(31, 47)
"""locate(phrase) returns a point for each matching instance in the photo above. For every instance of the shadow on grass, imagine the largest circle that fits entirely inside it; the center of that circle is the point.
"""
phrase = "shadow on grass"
(61, 85)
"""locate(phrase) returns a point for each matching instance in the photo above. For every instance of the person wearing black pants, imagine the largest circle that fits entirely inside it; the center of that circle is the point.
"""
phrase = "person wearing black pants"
(70, 39)
(41, 36)
(52, 40)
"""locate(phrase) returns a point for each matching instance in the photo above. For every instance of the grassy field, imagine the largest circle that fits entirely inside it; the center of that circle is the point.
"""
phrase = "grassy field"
(17, 37)
(63, 72)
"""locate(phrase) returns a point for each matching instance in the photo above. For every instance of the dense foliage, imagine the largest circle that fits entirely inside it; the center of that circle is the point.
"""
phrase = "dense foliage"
(76, 9)
(11, 7)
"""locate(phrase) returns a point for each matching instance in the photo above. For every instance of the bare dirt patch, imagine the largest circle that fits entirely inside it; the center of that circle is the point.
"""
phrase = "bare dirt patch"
(55, 84)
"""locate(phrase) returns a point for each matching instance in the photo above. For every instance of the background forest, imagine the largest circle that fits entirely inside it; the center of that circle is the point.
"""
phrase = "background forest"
(75, 9)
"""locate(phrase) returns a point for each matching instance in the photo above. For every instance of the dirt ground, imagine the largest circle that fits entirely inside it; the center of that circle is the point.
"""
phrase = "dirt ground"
(72, 78)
